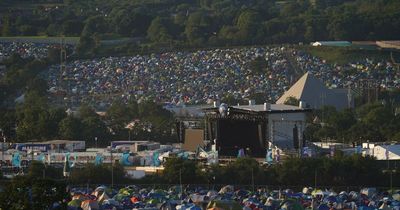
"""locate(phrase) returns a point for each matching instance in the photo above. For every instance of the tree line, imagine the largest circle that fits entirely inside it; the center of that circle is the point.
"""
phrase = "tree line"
(340, 170)
(337, 171)
(46, 184)
(373, 122)
(37, 120)
(198, 23)
(376, 121)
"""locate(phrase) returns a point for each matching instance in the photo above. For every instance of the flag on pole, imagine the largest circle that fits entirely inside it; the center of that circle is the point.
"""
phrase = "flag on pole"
(156, 160)
(332, 150)
(71, 159)
(240, 153)
(67, 168)
(98, 160)
(269, 157)
(16, 160)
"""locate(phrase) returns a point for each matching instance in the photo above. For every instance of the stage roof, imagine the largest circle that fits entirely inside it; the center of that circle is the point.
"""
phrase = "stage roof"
(273, 107)
(315, 94)
(259, 108)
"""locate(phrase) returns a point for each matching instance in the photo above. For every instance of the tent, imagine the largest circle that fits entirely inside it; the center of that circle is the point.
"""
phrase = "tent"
(101, 188)
(134, 199)
(75, 203)
(90, 205)
(79, 197)
(175, 189)
(317, 192)
(145, 209)
(226, 189)
(368, 191)
(102, 198)
(111, 202)
(168, 206)
(396, 196)
(153, 201)
(307, 190)
(197, 198)
(187, 207)
(323, 207)
(215, 208)
(242, 193)
(330, 199)
(212, 194)
(369, 208)
(224, 204)
(291, 204)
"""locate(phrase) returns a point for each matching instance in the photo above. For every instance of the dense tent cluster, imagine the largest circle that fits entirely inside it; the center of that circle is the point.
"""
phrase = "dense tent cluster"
(190, 77)
(25, 50)
(228, 197)
(204, 76)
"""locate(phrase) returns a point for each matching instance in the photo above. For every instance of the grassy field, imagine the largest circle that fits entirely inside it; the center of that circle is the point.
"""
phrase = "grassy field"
(40, 39)
(341, 55)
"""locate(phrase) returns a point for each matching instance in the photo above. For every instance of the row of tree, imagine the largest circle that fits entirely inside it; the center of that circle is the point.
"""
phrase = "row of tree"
(36, 120)
(374, 122)
(204, 22)
(44, 185)
(33, 193)
(340, 170)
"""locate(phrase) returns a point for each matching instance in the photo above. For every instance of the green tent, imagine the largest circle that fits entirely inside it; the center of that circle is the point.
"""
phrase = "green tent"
(153, 201)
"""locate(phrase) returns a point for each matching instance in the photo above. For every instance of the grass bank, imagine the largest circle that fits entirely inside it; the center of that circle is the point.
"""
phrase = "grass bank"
(342, 55)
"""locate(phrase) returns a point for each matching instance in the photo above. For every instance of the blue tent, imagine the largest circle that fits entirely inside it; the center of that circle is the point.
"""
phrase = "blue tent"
(323, 207)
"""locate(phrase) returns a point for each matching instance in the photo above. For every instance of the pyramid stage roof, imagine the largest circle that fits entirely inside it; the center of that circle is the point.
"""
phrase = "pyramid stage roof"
(315, 94)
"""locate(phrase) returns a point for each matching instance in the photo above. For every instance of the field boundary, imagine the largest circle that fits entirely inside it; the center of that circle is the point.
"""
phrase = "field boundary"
(40, 39)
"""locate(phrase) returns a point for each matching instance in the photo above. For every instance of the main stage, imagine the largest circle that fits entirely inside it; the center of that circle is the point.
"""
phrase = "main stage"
(253, 128)
(232, 129)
